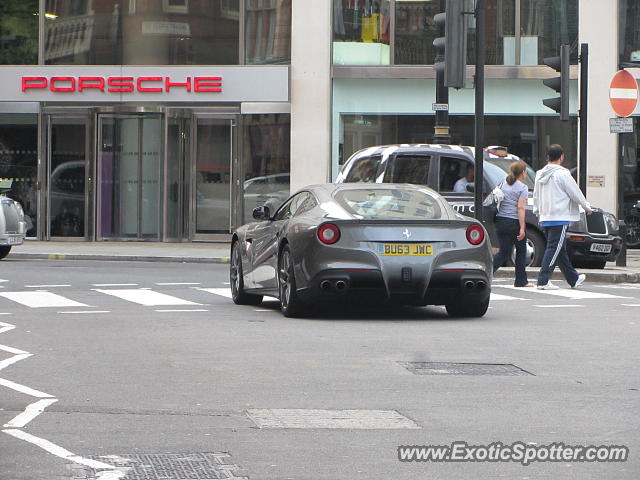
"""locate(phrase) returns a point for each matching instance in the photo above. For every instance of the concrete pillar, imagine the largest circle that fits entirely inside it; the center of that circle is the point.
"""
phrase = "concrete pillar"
(310, 92)
(598, 26)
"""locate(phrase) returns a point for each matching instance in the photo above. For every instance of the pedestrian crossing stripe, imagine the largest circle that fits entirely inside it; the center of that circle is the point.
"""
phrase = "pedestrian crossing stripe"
(223, 292)
(41, 299)
(564, 292)
(497, 296)
(146, 297)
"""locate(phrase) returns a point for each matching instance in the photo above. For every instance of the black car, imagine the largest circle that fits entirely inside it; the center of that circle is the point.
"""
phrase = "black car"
(591, 242)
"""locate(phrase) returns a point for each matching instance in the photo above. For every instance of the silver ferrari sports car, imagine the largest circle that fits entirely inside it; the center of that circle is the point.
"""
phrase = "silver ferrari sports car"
(371, 242)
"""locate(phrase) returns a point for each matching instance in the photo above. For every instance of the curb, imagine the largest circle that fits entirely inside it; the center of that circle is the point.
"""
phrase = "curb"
(120, 258)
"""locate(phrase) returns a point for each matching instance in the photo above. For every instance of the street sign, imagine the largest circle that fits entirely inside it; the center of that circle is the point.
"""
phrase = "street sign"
(621, 125)
(444, 107)
(623, 93)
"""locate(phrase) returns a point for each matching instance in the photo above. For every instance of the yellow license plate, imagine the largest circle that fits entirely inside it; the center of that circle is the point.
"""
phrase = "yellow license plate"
(405, 249)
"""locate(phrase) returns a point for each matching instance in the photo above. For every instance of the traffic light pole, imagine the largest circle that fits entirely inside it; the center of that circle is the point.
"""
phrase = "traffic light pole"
(584, 83)
(479, 111)
(441, 129)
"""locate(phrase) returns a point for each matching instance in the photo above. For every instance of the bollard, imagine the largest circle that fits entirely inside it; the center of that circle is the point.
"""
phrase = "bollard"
(621, 260)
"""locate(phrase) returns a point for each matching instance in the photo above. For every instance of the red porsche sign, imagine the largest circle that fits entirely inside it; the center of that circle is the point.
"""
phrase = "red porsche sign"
(122, 84)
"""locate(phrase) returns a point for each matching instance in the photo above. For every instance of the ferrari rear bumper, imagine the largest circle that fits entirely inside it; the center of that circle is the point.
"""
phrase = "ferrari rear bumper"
(369, 285)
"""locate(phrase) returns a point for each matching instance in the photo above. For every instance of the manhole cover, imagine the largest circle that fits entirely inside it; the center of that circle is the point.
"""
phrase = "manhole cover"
(166, 466)
(316, 418)
(450, 368)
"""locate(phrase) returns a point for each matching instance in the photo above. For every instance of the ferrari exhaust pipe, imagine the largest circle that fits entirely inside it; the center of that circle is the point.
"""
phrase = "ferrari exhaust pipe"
(468, 285)
(481, 285)
(341, 285)
(325, 285)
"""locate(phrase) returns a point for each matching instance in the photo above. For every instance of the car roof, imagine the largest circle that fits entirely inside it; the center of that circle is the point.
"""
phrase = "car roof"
(328, 189)
(386, 150)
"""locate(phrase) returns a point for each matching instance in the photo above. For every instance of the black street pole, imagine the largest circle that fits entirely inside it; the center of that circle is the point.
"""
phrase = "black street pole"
(584, 84)
(441, 128)
(479, 120)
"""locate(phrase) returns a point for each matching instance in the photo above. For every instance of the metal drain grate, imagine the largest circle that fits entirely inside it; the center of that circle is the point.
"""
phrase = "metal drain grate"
(165, 466)
(450, 368)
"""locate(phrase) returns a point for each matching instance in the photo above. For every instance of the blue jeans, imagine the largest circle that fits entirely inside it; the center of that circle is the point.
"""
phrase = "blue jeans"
(508, 229)
(556, 254)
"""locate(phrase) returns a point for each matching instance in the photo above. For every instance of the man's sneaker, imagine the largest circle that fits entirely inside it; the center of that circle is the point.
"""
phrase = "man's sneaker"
(581, 278)
(548, 286)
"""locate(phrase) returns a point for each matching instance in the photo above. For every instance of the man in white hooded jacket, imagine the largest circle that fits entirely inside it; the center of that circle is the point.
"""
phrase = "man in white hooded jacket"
(556, 202)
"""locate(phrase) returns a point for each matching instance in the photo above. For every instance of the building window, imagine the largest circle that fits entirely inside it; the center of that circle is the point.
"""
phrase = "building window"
(175, 6)
(518, 32)
(267, 31)
(629, 32)
(171, 32)
(19, 32)
(361, 30)
(525, 136)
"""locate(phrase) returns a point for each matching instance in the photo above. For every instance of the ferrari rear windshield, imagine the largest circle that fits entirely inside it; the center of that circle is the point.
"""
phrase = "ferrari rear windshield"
(389, 203)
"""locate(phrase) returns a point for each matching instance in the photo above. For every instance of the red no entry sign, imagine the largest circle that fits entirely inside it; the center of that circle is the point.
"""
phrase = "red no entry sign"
(623, 93)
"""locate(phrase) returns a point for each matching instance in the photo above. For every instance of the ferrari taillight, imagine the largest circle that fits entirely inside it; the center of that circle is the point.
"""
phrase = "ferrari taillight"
(475, 234)
(328, 233)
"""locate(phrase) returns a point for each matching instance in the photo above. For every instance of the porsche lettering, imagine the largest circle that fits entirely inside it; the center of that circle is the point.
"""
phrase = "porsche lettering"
(123, 84)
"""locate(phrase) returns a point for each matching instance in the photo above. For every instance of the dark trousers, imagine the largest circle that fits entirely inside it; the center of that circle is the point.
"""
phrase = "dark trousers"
(507, 230)
(556, 254)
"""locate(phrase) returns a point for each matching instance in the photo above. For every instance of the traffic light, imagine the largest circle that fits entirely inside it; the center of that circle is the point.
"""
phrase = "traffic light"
(559, 84)
(451, 49)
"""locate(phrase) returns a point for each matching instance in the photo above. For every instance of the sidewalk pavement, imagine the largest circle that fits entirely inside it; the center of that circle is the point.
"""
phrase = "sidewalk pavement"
(201, 252)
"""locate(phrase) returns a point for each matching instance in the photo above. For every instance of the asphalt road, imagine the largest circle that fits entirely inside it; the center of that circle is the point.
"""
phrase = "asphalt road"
(150, 367)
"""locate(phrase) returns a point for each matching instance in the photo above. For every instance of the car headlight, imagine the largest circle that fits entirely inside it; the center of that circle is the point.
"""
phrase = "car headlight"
(612, 222)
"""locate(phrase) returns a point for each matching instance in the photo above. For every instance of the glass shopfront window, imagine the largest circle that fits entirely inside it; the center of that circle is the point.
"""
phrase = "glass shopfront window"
(19, 163)
(167, 32)
(19, 32)
(267, 31)
(267, 161)
(361, 32)
(629, 11)
(518, 32)
(525, 136)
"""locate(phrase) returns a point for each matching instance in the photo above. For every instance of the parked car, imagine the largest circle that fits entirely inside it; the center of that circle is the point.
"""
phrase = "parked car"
(394, 243)
(591, 242)
(13, 226)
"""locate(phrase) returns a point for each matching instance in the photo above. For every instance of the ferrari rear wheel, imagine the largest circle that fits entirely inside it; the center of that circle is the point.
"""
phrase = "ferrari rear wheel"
(467, 309)
(290, 304)
(238, 295)
(4, 251)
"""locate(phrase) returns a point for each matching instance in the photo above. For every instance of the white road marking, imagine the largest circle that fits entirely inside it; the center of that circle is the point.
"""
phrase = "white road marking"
(497, 296)
(41, 299)
(557, 306)
(45, 286)
(86, 311)
(59, 451)
(223, 292)
(179, 283)
(114, 284)
(17, 356)
(184, 310)
(5, 327)
(23, 389)
(145, 297)
(15, 351)
(5, 313)
(630, 304)
(574, 294)
(11, 360)
(31, 412)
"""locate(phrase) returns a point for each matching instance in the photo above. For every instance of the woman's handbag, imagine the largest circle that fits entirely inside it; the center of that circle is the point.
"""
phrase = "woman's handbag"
(493, 200)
